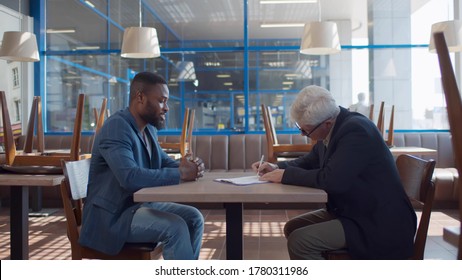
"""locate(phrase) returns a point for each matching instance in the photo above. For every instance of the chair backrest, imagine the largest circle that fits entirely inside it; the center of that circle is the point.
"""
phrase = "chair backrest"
(10, 147)
(416, 177)
(381, 119)
(77, 134)
(186, 132)
(35, 118)
(371, 112)
(73, 191)
(101, 116)
(454, 109)
(270, 130)
(391, 128)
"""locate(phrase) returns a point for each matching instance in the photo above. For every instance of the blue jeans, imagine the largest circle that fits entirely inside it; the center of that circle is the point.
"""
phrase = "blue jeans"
(179, 228)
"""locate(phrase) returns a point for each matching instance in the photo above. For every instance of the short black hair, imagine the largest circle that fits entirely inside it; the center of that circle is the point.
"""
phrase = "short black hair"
(143, 79)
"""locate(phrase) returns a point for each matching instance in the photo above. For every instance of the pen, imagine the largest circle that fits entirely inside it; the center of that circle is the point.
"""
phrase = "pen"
(261, 162)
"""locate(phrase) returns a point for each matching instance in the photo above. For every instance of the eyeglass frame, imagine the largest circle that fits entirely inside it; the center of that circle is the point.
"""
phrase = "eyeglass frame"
(307, 134)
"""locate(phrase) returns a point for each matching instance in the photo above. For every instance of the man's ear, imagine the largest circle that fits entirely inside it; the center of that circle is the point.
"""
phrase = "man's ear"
(139, 96)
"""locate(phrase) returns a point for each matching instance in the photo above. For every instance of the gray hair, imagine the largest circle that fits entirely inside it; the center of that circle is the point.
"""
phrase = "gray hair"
(313, 105)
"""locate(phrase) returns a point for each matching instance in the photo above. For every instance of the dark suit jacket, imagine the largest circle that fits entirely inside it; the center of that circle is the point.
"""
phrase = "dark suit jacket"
(364, 190)
(120, 165)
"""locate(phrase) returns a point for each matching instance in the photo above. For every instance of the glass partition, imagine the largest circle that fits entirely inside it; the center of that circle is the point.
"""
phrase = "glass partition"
(227, 58)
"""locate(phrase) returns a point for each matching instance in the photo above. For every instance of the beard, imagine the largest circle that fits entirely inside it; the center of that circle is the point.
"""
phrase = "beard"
(159, 124)
(156, 121)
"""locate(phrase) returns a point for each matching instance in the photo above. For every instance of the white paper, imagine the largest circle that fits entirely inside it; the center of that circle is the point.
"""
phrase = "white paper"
(242, 181)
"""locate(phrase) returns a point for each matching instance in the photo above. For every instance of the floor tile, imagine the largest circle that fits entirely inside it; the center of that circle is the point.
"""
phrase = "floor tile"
(263, 235)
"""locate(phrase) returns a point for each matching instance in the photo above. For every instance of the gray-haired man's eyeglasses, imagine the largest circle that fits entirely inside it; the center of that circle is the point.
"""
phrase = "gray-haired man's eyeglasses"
(307, 134)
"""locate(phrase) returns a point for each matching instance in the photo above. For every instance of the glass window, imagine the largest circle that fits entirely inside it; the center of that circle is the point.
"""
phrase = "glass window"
(15, 75)
(211, 68)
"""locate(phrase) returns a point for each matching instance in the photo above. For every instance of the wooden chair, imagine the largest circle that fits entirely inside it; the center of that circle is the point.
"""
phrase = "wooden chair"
(381, 124)
(454, 109)
(184, 146)
(10, 147)
(35, 120)
(41, 157)
(416, 176)
(391, 128)
(73, 192)
(371, 112)
(381, 119)
(100, 117)
(274, 148)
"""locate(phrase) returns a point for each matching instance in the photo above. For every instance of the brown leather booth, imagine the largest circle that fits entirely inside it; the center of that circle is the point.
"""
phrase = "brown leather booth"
(238, 152)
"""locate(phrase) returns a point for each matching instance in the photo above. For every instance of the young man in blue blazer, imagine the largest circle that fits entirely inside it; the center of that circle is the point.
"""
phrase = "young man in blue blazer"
(368, 211)
(126, 157)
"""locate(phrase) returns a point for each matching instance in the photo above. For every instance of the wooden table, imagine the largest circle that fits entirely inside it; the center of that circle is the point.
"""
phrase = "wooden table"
(233, 197)
(19, 207)
(417, 151)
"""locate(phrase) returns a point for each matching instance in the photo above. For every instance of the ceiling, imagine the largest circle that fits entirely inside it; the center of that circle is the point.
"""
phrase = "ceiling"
(196, 20)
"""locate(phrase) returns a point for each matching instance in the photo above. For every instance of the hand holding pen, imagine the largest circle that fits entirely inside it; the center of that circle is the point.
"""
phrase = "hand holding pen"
(261, 167)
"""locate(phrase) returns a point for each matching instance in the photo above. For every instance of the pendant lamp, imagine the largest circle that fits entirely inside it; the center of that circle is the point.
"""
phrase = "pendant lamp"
(19, 46)
(140, 42)
(320, 38)
(452, 30)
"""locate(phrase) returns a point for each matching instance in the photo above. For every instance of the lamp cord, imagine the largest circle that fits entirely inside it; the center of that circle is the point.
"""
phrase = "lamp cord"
(20, 17)
(140, 12)
(319, 9)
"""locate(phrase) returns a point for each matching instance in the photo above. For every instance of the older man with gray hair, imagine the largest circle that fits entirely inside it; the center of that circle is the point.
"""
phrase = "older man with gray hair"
(368, 211)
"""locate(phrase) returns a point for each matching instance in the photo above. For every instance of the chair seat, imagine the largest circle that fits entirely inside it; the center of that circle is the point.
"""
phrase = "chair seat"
(291, 154)
(336, 255)
(130, 251)
(141, 246)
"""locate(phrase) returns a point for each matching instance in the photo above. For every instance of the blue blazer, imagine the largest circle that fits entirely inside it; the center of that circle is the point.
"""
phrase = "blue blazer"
(364, 189)
(120, 166)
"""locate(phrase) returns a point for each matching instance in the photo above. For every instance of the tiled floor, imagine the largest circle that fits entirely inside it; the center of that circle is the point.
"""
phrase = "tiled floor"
(263, 236)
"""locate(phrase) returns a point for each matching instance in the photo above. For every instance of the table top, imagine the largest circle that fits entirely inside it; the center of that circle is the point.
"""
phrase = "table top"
(9, 179)
(396, 151)
(207, 190)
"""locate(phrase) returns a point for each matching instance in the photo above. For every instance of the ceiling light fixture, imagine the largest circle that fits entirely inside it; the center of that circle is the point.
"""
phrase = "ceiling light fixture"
(221, 76)
(287, 1)
(19, 46)
(90, 4)
(212, 63)
(140, 42)
(452, 30)
(54, 31)
(320, 38)
(87, 48)
(277, 25)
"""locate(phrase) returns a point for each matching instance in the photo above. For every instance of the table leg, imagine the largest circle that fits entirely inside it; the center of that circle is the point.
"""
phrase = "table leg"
(36, 199)
(234, 231)
(19, 223)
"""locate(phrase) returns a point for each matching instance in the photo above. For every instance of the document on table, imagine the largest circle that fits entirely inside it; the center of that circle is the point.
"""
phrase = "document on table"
(242, 181)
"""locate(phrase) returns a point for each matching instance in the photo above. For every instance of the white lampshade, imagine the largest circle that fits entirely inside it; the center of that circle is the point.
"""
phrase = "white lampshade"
(140, 42)
(320, 38)
(19, 46)
(452, 33)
